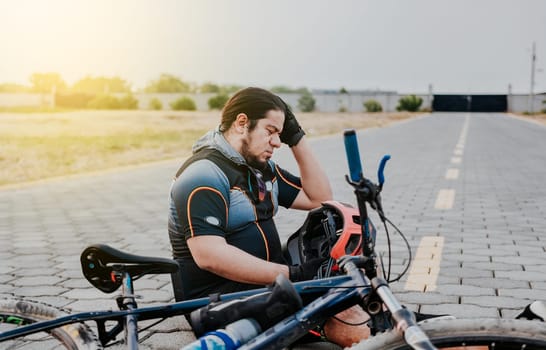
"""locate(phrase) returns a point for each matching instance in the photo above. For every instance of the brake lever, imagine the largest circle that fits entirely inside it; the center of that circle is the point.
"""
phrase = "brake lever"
(380, 170)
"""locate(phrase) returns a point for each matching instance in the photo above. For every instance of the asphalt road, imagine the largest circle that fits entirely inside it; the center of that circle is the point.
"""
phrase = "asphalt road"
(467, 190)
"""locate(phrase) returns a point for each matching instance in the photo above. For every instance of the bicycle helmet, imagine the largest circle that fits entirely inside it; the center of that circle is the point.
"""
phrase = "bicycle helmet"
(330, 231)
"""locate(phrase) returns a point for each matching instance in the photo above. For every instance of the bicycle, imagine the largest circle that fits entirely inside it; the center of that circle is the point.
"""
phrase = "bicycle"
(360, 280)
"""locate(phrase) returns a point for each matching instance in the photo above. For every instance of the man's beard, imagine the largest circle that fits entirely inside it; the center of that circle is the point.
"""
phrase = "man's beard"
(251, 159)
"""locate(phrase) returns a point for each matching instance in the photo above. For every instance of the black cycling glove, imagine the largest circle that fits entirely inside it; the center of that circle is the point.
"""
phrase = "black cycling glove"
(291, 132)
(306, 271)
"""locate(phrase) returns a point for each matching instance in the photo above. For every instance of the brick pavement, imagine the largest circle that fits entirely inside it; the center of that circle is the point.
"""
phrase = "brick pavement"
(493, 257)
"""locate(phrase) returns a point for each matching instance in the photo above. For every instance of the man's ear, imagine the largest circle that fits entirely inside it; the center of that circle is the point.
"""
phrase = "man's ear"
(241, 122)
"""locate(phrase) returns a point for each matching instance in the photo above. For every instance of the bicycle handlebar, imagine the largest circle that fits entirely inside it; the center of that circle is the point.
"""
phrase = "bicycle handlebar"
(353, 155)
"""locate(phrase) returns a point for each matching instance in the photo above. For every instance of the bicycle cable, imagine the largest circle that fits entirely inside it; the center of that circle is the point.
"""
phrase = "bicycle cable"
(408, 249)
(351, 324)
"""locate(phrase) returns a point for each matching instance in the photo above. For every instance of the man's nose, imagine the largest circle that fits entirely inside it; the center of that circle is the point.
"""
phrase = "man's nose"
(276, 140)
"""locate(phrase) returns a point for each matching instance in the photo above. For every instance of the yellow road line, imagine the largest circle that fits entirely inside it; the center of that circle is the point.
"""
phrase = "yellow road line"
(452, 174)
(445, 199)
(425, 267)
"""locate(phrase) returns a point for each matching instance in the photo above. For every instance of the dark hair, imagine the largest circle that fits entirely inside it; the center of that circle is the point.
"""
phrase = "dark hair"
(252, 101)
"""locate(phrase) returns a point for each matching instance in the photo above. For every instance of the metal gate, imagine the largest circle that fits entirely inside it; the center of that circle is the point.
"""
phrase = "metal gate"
(470, 103)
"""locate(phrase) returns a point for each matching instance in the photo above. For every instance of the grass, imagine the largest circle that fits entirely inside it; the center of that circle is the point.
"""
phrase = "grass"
(44, 145)
(34, 109)
(538, 117)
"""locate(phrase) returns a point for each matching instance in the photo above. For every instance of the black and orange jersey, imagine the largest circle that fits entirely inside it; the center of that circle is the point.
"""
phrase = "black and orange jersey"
(212, 195)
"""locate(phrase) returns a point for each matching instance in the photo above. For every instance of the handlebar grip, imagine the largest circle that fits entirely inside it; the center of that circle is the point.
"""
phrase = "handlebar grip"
(353, 155)
(380, 175)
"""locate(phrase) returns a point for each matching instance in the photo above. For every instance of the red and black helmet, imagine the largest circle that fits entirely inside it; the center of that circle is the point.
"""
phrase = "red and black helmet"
(332, 230)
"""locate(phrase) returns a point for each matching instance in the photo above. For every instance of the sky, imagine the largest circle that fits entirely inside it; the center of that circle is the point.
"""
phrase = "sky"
(454, 46)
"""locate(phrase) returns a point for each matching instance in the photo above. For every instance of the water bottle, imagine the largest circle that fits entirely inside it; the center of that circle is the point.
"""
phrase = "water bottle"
(233, 336)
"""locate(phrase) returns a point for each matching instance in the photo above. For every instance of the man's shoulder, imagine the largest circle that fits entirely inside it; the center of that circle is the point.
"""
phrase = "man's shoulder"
(203, 173)
(203, 167)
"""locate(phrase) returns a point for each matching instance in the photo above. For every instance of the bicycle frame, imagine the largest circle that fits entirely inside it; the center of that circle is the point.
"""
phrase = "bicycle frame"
(154, 312)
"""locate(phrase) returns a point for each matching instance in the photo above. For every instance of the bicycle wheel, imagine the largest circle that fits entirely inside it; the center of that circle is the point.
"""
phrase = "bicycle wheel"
(488, 334)
(16, 313)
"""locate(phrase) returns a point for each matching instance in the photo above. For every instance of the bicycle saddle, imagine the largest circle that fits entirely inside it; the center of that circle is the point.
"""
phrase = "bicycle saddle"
(102, 265)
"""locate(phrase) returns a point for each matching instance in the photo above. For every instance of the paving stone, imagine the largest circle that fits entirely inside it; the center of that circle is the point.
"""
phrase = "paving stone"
(494, 282)
(92, 305)
(39, 291)
(7, 288)
(56, 301)
(40, 271)
(170, 340)
(75, 283)
(538, 285)
(466, 272)
(522, 275)
(7, 278)
(455, 289)
(87, 293)
(498, 302)
(37, 281)
(460, 310)
(521, 293)
(433, 298)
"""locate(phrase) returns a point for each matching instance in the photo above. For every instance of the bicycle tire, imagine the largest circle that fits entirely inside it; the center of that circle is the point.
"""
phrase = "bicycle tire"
(75, 336)
(497, 334)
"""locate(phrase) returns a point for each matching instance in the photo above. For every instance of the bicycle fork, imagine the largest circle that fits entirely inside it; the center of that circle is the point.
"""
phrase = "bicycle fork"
(403, 318)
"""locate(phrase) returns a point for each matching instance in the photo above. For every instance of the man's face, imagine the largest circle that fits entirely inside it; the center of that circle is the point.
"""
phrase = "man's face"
(259, 143)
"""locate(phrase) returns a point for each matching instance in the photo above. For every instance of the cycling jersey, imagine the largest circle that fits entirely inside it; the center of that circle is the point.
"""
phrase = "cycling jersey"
(216, 193)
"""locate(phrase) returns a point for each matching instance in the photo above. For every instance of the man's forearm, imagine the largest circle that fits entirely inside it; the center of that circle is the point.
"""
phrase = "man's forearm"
(314, 181)
(213, 254)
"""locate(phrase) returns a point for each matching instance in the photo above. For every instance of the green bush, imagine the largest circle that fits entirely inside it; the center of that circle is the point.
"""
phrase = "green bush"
(112, 102)
(409, 103)
(373, 106)
(218, 101)
(306, 102)
(155, 104)
(183, 104)
(128, 102)
(104, 102)
(73, 100)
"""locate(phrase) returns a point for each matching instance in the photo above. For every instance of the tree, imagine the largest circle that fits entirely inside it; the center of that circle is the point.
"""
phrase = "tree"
(372, 106)
(101, 85)
(167, 83)
(183, 104)
(11, 87)
(230, 89)
(409, 103)
(156, 104)
(306, 102)
(209, 88)
(218, 101)
(281, 89)
(44, 82)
